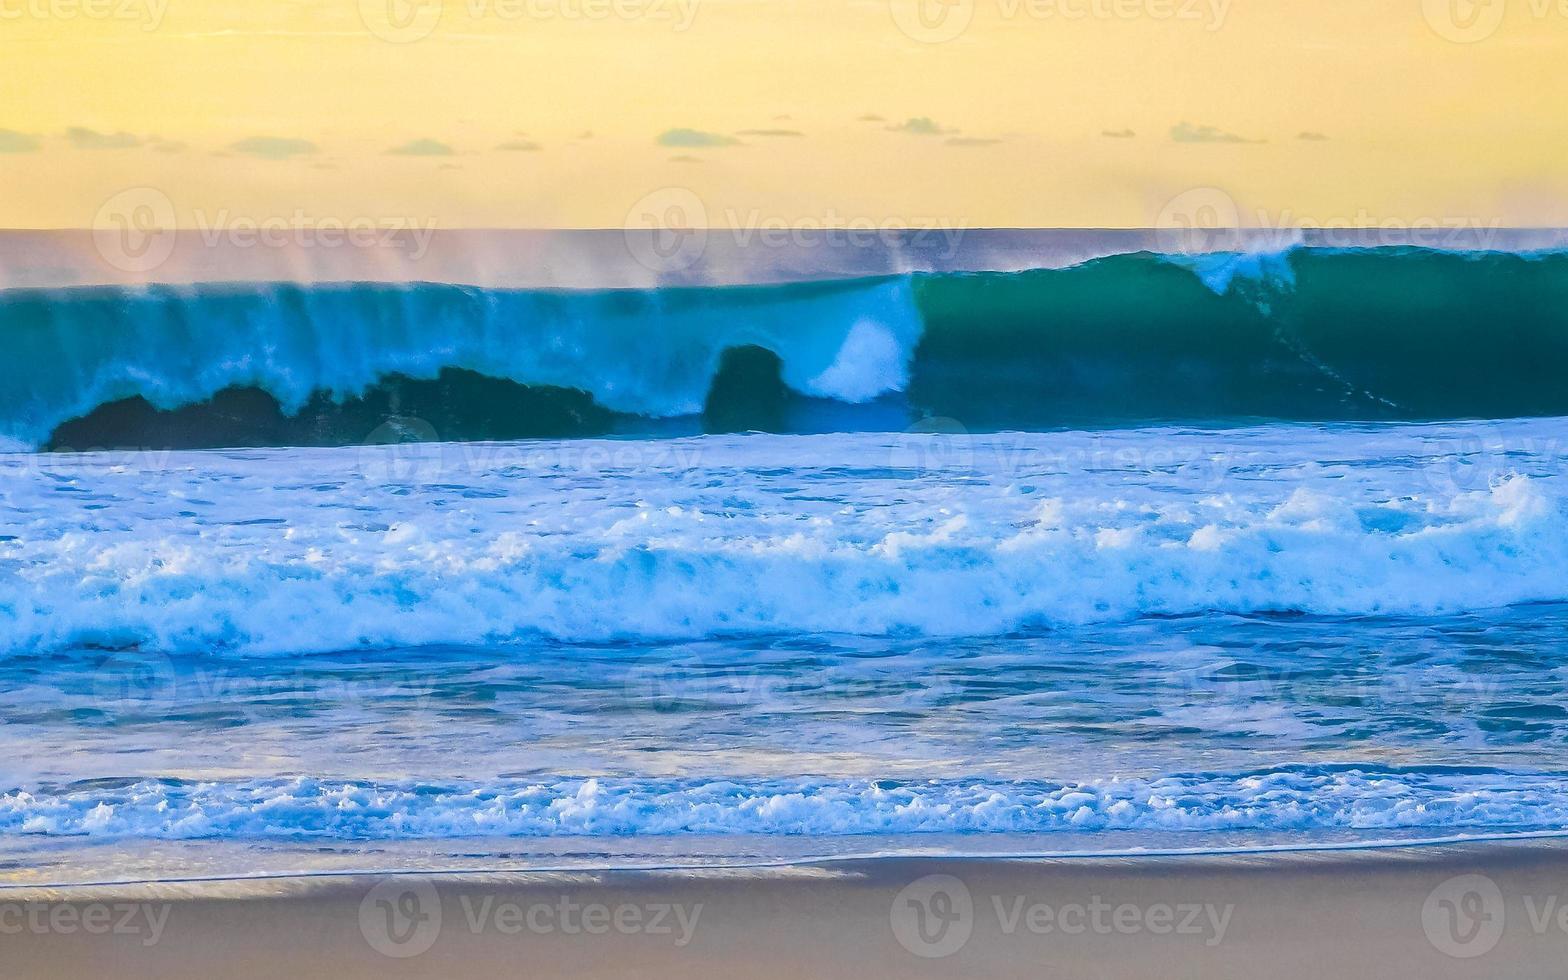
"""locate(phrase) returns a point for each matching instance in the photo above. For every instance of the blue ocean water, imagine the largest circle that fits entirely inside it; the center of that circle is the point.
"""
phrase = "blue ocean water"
(1150, 552)
(794, 644)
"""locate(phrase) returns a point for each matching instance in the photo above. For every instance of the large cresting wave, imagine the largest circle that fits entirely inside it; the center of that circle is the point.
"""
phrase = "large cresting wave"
(1309, 334)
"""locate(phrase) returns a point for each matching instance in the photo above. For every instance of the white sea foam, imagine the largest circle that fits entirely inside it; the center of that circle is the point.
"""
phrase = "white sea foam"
(293, 551)
(1283, 800)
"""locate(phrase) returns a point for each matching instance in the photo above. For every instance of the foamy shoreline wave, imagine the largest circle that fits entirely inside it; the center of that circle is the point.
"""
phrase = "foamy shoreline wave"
(1293, 800)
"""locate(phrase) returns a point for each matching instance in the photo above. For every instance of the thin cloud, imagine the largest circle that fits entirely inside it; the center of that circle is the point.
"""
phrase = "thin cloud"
(422, 148)
(921, 126)
(685, 158)
(872, 117)
(520, 146)
(1311, 137)
(90, 139)
(770, 132)
(1118, 134)
(1186, 132)
(273, 147)
(694, 138)
(13, 142)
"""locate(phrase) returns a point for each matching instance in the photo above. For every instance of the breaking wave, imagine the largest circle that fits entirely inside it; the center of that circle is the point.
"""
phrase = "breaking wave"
(1308, 334)
(1298, 800)
(294, 551)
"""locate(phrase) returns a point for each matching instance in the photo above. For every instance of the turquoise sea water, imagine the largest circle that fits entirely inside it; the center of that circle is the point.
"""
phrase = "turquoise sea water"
(1142, 554)
(768, 646)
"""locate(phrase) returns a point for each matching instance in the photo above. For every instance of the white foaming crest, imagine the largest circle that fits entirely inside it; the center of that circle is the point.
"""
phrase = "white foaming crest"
(1283, 800)
(293, 551)
(872, 362)
(1264, 263)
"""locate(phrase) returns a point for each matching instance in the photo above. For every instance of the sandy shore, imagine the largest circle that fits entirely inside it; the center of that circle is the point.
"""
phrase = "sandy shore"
(1493, 910)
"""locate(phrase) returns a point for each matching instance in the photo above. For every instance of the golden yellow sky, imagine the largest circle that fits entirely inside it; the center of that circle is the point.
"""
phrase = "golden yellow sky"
(567, 113)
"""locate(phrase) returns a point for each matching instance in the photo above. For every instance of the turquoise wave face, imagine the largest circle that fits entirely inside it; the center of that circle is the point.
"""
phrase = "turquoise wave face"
(284, 364)
(1308, 335)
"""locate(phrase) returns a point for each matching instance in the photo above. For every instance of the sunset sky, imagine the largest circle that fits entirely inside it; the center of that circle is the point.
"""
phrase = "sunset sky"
(566, 113)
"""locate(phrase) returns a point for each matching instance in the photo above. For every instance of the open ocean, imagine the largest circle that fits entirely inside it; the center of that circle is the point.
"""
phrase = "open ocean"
(1142, 553)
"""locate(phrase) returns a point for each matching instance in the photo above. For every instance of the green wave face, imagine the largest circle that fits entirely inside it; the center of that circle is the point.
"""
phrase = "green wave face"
(1312, 335)
(1308, 335)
